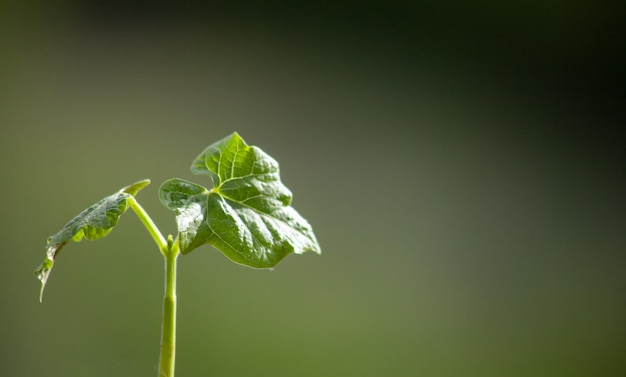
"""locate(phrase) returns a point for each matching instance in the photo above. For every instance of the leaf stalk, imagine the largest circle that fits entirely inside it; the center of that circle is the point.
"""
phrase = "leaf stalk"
(151, 227)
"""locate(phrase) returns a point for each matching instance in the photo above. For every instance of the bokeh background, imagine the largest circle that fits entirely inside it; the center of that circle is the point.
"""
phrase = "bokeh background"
(462, 165)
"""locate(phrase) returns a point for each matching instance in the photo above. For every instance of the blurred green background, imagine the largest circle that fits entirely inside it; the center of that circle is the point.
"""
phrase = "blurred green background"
(462, 166)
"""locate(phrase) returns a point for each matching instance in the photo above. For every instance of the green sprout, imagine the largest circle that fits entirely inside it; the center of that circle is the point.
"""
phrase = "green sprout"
(246, 215)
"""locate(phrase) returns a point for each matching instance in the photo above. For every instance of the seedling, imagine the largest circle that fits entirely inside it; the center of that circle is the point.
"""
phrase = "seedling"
(246, 215)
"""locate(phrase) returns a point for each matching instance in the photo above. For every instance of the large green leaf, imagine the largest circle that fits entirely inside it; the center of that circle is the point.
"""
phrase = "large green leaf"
(247, 213)
(92, 223)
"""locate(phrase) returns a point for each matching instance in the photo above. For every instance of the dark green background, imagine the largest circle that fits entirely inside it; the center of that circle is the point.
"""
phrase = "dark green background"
(462, 166)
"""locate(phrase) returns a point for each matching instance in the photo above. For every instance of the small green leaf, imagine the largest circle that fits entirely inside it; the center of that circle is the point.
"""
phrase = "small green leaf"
(246, 215)
(92, 223)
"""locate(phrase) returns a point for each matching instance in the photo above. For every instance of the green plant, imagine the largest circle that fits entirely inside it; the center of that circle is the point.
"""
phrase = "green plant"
(246, 215)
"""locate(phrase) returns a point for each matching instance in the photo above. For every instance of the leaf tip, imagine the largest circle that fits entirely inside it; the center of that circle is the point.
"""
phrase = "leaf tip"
(136, 187)
(42, 273)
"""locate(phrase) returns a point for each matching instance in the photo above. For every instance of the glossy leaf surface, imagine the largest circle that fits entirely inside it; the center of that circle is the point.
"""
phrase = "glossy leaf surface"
(93, 223)
(246, 215)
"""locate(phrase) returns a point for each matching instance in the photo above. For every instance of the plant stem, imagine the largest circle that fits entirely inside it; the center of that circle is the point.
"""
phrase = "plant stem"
(168, 332)
(170, 250)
